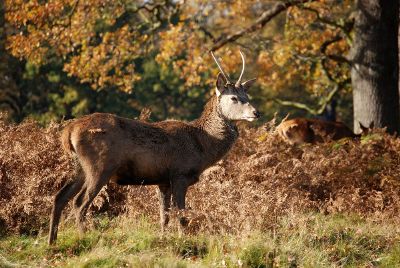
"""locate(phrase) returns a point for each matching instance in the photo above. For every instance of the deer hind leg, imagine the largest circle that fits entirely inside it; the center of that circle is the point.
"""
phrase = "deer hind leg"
(69, 190)
(165, 204)
(92, 186)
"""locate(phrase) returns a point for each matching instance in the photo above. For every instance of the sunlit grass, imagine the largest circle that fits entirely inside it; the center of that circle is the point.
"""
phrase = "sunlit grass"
(305, 240)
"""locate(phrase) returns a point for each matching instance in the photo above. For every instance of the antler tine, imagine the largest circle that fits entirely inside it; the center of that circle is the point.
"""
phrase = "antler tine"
(220, 67)
(243, 66)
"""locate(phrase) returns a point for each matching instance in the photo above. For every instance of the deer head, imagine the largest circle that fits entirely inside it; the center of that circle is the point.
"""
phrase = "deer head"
(233, 100)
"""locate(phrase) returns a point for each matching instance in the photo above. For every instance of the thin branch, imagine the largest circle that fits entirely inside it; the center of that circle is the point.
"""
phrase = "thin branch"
(297, 105)
(71, 13)
(274, 11)
(305, 58)
(345, 28)
(68, 17)
(307, 108)
(327, 43)
(265, 17)
(207, 32)
(323, 103)
(150, 7)
(337, 85)
(337, 58)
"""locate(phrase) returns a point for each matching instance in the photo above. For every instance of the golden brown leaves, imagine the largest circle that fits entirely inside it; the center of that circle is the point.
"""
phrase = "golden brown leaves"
(68, 28)
(298, 56)
(259, 181)
(109, 63)
(101, 53)
(184, 40)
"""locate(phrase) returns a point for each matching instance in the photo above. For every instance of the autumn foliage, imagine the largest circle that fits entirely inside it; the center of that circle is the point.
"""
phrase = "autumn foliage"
(71, 57)
(260, 180)
(111, 35)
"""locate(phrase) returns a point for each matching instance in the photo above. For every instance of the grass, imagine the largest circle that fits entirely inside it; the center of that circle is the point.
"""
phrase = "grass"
(299, 240)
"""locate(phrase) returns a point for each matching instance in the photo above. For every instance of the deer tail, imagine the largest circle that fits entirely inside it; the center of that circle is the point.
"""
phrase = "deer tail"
(66, 140)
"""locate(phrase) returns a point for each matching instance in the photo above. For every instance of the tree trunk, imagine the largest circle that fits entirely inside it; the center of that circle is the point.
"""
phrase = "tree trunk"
(375, 60)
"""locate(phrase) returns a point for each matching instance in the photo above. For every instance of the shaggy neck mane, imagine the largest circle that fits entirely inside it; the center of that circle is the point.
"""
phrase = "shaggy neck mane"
(216, 133)
(213, 122)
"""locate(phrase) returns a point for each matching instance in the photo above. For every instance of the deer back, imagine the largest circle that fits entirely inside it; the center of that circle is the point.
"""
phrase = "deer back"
(304, 130)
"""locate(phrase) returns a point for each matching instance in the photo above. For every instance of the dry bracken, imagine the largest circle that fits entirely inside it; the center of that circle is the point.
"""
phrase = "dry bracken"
(261, 179)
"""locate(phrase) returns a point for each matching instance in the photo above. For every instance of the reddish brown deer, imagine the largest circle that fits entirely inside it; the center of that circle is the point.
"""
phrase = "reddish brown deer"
(304, 130)
(170, 154)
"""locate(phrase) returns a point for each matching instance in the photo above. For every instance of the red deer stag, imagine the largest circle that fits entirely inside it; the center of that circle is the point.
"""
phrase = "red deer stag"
(170, 154)
(304, 130)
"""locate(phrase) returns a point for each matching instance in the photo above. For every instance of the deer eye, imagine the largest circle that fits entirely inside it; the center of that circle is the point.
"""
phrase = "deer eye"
(234, 99)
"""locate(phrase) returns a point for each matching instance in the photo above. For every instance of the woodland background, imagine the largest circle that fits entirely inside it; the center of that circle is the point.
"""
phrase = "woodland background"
(268, 203)
(66, 58)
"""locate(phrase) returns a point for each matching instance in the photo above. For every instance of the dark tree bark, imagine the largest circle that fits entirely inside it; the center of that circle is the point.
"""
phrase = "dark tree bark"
(375, 62)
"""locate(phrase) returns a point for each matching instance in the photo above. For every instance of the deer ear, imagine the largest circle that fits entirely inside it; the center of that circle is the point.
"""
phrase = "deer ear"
(220, 85)
(247, 84)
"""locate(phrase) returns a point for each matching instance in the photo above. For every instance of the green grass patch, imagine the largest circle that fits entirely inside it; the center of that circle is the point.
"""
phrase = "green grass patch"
(299, 240)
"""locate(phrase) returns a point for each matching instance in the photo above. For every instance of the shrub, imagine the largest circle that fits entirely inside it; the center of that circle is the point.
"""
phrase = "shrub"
(259, 181)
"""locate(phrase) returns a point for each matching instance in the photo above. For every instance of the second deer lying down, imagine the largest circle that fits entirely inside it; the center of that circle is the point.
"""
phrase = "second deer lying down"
(304, 130)
(170, 154)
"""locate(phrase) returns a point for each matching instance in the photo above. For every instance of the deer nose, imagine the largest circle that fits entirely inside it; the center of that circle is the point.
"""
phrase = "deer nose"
(256, 113)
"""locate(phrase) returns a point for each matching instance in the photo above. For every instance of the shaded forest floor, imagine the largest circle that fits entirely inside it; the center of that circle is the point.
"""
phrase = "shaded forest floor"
(266, 203)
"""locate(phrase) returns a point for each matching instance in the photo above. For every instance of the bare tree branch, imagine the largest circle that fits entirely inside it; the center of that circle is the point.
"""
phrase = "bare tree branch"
(337, 58)
(265, 17)
(206, 32)
(303, 106)
(150, 7)
(298, 105)
(323, 103)
(337, 85)
(345, 27)
(269, 14)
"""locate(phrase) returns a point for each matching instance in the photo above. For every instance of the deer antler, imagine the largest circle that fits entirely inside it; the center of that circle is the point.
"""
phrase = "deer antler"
(220, 68)
(241, 74)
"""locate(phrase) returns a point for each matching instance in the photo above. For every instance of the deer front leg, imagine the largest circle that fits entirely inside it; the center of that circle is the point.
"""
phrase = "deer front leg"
(179, 189)
(165, 204)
